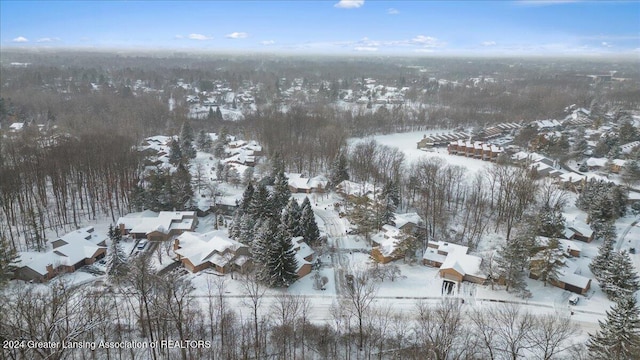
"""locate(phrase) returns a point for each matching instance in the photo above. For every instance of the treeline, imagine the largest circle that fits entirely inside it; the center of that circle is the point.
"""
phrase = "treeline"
(149, 307)
(56, 182)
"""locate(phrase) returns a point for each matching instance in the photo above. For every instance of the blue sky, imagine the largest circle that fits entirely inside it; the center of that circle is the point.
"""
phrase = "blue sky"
(544, 27)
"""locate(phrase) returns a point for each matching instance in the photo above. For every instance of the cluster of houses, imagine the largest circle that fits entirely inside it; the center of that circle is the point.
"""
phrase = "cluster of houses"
(456, 265)
(196, 251)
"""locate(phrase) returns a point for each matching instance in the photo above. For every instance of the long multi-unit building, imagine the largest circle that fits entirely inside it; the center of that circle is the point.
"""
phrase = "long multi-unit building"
(476, 149)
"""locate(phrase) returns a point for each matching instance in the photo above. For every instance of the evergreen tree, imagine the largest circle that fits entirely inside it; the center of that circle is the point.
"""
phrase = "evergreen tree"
(511, 260)
(310, 230)
(619, 279)
(281, 192)
(203, 141)
(175, 153)
(260, 249)
(116, 260)
(602, 200)
(281, 262)
(247, 195)
(551, 222)
(211, 115)
(291, 218)
(186, 141)
(219, 113)
(247, 228)
(181, 188)
(606, 232)
(619, 335)
(8, 261)
(547, 263)
(277, 166)
(218, 150)
(260, 207)
(631, 172)
(339, 171)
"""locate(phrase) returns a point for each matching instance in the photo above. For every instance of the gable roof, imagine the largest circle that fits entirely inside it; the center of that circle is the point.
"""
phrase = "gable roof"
(214, 247)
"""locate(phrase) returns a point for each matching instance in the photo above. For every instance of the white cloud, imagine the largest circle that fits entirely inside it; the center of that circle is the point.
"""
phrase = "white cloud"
(199, 37)
(20, 39)
(178, 37)
(424, 40)
(488, 43)
(237, 35)
(47, 39)
(267, 42)
(365, 48)
(349, 4)
(392, 11)
(606, 44)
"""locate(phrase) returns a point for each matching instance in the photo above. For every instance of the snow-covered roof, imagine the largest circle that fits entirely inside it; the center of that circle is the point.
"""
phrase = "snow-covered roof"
(214, 247)
(78, 245)
(403, 219)
(542, 124)
(596, 162)
(298, 181)
(301, 247)
(165, 221)
(16, 126)
(464, 264)
(626, 148)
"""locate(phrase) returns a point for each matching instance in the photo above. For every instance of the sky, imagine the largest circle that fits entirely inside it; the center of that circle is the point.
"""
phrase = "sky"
(525, 27)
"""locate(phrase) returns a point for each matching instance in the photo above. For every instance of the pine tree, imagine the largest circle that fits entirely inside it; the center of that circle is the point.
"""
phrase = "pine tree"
(551, 222)
(547, 263)
(281, 262)
(186, 141)
(619, 278)
(116, 260)
(203, 141)
(619, 335)
(292, 218)
(606, 232)
(247, 195)
(8, 261)
(260, 206)
(339, 171)
(511, 261)
(310, 230)
(219, 113)
(260, 249)
(175, 153)
(281, 192)
(247, 228)
(181, 188)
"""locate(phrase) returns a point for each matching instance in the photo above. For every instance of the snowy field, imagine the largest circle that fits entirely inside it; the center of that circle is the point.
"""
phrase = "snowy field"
(408, 143)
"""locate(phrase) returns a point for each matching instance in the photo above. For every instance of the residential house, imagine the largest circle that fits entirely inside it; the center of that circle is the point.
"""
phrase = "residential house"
(300, 184)
(569, 277)
(350, 189)
(69, 253)
(214, 249)
(454, 262)
(157, 226)
(304, 256)
(386, 244)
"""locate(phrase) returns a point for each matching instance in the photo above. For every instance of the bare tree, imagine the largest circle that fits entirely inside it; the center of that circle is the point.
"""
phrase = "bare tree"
(551, 334)
(359, 294)
(254, 292)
